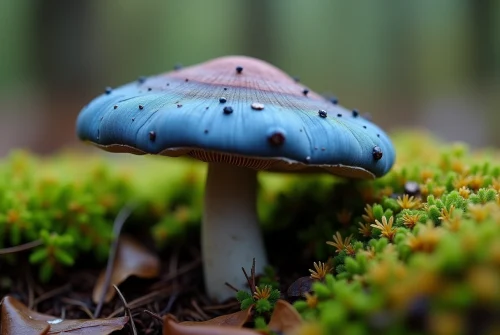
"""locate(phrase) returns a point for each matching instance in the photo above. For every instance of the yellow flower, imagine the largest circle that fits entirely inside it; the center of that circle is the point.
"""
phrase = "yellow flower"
(408, 202)
(311, 300)
(447, 214)
(368, 217)
(410, 220)
(262, 293)
(339, 243)
(365, 229)
(464, 192)
(320, 270)
(385, 227)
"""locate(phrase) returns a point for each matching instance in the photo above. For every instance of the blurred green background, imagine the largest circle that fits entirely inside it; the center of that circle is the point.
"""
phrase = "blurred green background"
(427, 63)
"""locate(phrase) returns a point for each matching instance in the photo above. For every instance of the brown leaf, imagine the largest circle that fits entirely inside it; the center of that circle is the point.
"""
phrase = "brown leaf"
(132, 259)
(300, 287)
(230, 324)
(237, 319)
(285, 318)
(16, 318)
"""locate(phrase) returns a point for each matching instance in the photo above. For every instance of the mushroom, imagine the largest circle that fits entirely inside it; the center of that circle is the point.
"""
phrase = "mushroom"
(240, 115)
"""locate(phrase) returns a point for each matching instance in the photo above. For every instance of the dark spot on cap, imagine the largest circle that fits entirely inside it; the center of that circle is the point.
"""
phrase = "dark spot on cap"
(108, 90)
(377, 153)
(239, 69)
(228, 110)
(355, 113)
(141, 79)
(222, 100)
(206, 131)
(115, 106)
(206, 107)
(276, 138)
(334, 100)
(225, 88)
(168, 84)
(378, 135)
(339, 115)
(257, 106)
(322, 113)
(152, 136)
(305, 91)
(179, 105)
(149, 89)
(186, 80)
(412, 188)
(141, 107)
(364, 127)
(133, 119)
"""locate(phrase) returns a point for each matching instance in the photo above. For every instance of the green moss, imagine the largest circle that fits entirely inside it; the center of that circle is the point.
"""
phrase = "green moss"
(426, 264)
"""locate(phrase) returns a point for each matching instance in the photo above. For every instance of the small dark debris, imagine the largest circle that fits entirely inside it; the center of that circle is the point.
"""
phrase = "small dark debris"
(412, 188)
(339, 115)
(179, 105)
(108, 90)
(115, 106)
(222, 100)
(239, 69)
(305, 91)
(149, 89)
(377, 153)
(141, 107)
(225, 88)
(228, 110)
(186, 80)
(322, 113)
(152, 136)
(355, 113)
(141, 79)
(206, 131)
(276, 138)
(364, 127)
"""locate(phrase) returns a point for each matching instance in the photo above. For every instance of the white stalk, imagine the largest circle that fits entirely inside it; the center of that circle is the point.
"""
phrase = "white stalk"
(231, 235)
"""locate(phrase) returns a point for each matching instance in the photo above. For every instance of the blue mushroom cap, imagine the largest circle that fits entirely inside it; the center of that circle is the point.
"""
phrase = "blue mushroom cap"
(238, 110)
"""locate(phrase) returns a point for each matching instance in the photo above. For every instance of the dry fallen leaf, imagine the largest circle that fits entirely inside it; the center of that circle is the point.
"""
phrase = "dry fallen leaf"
(237, 319)
(300, 287)
(230, 324)
(16, 318)
(132, 259)
(285, 318)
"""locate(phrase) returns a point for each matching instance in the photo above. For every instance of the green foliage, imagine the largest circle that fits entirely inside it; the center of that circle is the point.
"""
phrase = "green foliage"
(437, 264)
(264, 298)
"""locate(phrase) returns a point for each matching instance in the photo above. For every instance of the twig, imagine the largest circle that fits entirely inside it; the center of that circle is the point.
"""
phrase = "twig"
(21, 247)
(154, 315)
(252, 273)
(231, 287)
(145, 299)
(51, 294)
(127, 309)
(78, 303)
(117, 227)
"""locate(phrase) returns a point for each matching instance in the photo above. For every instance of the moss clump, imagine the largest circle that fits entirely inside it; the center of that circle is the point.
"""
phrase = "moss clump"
(69, 203)
(417, 251)
(422, 263)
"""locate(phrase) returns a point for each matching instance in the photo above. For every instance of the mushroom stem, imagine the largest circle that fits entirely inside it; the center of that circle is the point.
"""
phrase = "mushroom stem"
(231, 235)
